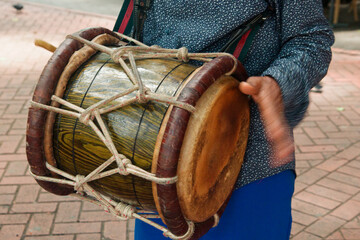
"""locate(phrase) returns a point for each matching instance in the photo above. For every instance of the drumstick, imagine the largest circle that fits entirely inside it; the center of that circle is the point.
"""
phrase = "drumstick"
(46, 45)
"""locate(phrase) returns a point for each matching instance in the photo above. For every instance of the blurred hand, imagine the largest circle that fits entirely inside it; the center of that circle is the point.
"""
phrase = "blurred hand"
(267, 94)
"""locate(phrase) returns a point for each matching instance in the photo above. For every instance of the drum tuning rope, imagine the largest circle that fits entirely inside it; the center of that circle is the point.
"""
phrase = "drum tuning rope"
(138, 93)
(216, 220)
(120, 210)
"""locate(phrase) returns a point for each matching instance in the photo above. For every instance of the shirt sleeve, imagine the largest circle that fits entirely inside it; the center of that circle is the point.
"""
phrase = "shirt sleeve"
(305, 53)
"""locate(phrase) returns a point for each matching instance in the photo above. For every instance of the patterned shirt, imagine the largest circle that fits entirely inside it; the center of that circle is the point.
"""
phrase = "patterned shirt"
(292, 46)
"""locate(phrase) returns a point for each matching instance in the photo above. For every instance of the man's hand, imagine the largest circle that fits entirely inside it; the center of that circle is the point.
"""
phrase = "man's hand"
(267, 94)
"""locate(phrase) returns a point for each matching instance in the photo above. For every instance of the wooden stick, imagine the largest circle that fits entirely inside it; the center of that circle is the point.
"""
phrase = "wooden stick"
(45, 45)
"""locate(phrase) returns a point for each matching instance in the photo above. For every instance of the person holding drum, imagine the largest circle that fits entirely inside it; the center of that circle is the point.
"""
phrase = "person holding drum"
(284, 46)
(130, 125)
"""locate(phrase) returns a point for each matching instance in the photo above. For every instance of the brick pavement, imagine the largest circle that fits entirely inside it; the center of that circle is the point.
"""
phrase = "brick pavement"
(326, 204)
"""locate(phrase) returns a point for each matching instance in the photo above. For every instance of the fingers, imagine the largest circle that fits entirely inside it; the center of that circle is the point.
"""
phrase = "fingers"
(248, 89)
(278, 133)
(283, 154)
(267, 94)
(283, 150)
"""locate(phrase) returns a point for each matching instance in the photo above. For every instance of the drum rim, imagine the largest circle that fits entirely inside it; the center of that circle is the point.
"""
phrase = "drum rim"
(45, 88)
(173, 136)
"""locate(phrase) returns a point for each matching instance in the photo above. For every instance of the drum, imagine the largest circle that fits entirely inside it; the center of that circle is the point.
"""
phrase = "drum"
(203, 148)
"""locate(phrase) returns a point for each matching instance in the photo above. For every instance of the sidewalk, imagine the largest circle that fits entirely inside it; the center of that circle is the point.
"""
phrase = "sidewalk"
(327, 200)
(107, 7)
(326, 204)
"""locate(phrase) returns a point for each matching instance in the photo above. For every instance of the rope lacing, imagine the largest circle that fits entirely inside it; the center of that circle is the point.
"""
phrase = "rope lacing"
(187, 235)
(79, 182)
(88, 116)
(125, 210)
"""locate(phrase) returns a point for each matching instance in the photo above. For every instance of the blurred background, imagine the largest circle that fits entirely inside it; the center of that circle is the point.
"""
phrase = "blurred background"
(347, 30)
(326, 203)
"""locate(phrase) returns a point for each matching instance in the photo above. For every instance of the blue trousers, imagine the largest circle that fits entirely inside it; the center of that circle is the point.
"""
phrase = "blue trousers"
(258, 211)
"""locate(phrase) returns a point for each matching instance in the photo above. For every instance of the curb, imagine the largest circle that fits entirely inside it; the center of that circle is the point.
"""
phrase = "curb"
(64, 9)
(345, 51)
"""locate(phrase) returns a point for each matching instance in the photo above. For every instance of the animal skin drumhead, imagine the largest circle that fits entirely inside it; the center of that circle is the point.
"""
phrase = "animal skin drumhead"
(212, 150)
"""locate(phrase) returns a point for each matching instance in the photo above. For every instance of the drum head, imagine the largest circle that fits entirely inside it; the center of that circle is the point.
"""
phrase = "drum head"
(204, 149)
(212, 150)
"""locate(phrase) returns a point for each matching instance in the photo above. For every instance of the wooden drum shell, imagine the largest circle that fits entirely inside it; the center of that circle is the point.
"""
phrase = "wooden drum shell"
(133, 129)
(149, 134)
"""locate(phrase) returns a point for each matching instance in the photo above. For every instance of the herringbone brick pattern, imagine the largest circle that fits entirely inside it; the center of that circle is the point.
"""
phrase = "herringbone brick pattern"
(26, 211)
(326, 204)
(327, 200)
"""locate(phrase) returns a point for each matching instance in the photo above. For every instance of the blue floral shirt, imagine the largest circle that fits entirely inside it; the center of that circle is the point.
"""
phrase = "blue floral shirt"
(292, 46)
